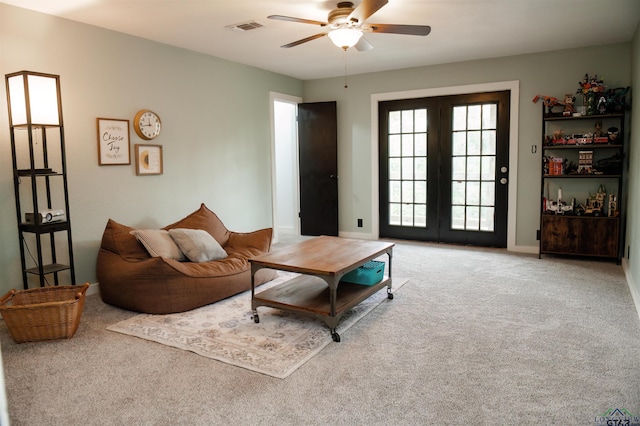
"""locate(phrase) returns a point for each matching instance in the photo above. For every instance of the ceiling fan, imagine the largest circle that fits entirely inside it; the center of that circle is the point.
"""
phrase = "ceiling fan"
(346, 25)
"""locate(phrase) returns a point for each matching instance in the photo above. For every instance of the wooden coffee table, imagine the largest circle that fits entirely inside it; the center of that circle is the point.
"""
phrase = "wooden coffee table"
(318, 292)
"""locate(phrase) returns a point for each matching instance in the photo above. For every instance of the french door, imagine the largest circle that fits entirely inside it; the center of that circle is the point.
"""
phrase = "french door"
(443, 169)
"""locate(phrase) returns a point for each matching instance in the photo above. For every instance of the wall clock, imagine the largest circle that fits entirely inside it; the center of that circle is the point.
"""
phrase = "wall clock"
(147, 124)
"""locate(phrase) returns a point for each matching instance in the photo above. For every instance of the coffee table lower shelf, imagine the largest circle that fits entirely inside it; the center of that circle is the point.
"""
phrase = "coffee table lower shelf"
(310, 295)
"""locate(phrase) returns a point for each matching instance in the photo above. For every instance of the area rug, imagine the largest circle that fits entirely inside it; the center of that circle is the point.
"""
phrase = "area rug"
(225, 331)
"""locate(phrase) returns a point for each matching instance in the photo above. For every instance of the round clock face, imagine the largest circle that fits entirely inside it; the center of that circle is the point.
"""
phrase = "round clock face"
(147, 124)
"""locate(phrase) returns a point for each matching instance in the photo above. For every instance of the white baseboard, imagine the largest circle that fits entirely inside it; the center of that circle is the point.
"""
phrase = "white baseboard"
(93, 289)
(634, 288)
(358, 235)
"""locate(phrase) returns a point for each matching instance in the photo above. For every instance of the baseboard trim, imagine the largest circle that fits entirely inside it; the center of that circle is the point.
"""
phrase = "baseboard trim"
(93, 289)
(633, 286)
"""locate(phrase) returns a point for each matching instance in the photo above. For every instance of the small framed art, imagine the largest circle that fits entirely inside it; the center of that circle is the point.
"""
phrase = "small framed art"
(148, 159)
(113, 142)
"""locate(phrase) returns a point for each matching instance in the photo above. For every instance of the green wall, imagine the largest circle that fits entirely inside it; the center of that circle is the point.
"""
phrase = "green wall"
(550, 73)
(215, 138)
(632, 262)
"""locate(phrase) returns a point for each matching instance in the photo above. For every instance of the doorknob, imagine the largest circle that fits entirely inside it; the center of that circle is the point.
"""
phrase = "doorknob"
(503, 181)
(503, 169)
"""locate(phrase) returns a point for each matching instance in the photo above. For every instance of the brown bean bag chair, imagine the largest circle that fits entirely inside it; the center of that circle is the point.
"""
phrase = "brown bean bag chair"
(131, 278)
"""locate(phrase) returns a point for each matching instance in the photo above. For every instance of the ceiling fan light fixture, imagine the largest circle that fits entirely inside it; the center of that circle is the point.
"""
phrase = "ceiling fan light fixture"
(345, 37)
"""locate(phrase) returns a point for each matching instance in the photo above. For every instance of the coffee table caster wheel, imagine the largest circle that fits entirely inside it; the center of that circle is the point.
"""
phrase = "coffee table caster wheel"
(256, 318)
(389, 295)
(335, 336)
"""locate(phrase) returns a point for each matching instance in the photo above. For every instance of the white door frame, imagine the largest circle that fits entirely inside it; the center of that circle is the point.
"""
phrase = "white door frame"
(274, 96)
(512, 86)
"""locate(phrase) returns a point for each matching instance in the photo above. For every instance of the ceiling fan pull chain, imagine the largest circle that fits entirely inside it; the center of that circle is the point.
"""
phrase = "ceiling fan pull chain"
(345, 69)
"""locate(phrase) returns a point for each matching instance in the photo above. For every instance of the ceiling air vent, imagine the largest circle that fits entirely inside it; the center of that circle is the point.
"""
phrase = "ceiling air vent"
(245, 26)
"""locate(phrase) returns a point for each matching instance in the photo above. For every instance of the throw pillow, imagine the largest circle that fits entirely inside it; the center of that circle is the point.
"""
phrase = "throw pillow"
(158, 243)
(197, 244)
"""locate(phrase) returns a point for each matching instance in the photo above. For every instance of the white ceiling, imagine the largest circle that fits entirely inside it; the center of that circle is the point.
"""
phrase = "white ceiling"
(461, 29)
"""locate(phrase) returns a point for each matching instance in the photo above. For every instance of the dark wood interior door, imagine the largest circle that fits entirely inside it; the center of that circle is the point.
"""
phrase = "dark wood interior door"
(318, 166)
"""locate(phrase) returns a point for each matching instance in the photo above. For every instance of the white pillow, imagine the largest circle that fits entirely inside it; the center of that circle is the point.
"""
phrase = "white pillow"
(158, 243)
(197, 244)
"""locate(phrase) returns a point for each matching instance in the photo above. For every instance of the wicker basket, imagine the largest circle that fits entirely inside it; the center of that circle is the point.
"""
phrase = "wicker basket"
(45, 313)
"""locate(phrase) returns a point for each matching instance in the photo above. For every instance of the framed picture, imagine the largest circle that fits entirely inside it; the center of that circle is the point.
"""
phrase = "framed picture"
(148, 159)
(113, 142)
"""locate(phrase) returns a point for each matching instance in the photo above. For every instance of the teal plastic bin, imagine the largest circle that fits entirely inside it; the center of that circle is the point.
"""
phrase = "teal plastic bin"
(370, 273)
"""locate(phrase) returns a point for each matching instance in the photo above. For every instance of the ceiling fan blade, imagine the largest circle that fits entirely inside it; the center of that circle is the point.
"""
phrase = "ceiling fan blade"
(304, 40)
(299, 20)
(418, 30)
(363, 45)
(366, 9)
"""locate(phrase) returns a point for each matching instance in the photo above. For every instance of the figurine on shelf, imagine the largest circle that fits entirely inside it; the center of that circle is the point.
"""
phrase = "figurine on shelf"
(616, 99)
(569, 99)
(602, 105)
(594, 205)
(550, 102)
(613, 205)
(598, 131)
(612, 133)
(590, 87)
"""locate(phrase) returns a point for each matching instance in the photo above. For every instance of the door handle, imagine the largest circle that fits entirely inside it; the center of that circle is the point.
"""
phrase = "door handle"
(503, 181)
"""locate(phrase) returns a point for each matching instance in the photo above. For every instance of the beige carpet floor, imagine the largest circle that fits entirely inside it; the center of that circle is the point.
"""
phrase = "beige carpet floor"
(475, 337)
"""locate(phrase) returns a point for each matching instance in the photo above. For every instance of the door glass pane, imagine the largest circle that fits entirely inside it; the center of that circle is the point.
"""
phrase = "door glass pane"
(420, 120)
(394, 146)
(420, 215)
(457, 217)
(458, 193)
(473, 143)
(473, 193)
(407, 215)
(489, 142)
(473, 167)
(459, 143)
(420, 172)
(489, 116)
(488, 194)
(473, 218)
(407, 191)
(458, 168)
(394, 168)
(420, 140)
(459, 118)
(487, 219)
(408, 167)
(394, 214)
(407, 121)
(394, 122)
(474, 117)
(421, 192)
(488, 167)
(407, 145)
(395, 191)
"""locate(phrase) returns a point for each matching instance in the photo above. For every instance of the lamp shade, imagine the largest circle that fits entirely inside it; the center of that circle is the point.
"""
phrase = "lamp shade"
(33, 98)
(345, 37)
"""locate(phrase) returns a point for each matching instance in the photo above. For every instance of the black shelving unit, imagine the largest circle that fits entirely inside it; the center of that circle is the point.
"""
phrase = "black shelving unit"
(40, 180)
(575, 231)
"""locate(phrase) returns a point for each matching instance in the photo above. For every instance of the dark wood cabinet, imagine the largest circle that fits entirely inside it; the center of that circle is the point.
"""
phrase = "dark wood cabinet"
(582, 185)
(586, 236)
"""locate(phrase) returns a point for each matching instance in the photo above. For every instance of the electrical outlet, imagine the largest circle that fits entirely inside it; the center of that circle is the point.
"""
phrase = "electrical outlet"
(359, 223)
